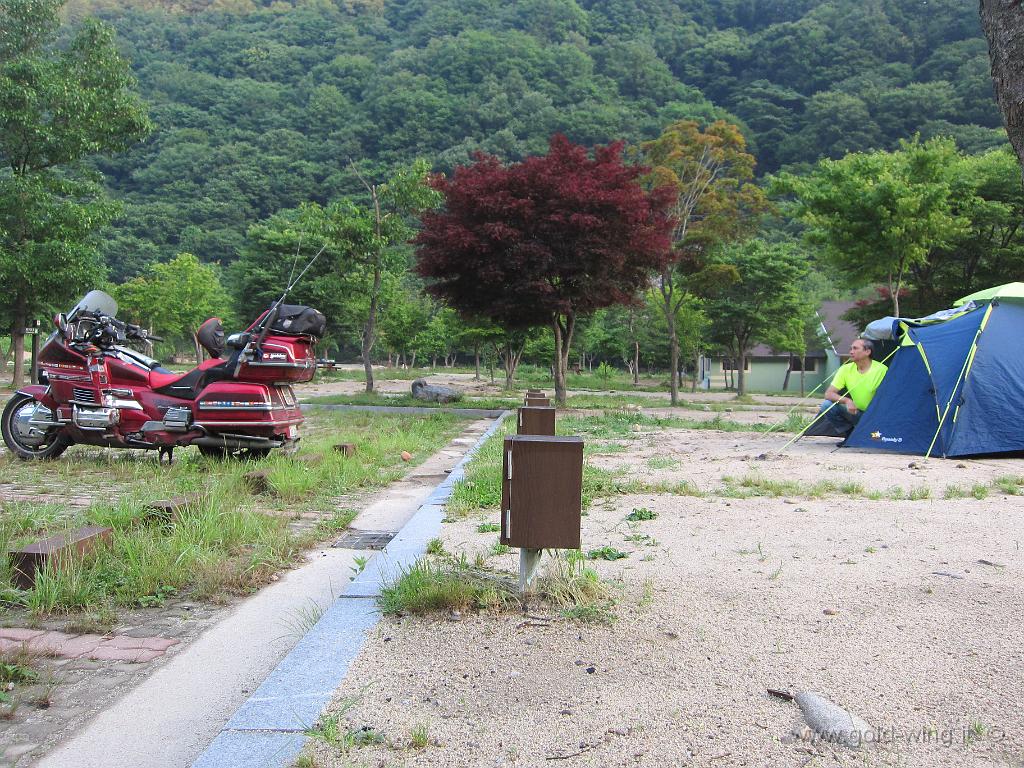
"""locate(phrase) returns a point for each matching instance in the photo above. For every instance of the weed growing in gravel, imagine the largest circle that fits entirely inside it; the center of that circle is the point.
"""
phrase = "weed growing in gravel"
(641, 513)
(759, 551)
(576, 589)
(955, 492)
(435, 547)
(662, 462)
(419, 736)
(498, 549)
(606, 553)
(1011, 485)
(488, 528)
(433, 585)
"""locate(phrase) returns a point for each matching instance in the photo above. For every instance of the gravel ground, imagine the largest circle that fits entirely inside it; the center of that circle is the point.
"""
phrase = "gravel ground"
(905, 612)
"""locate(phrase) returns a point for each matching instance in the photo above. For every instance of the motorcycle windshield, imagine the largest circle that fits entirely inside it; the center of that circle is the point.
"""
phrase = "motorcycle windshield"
(95, 302)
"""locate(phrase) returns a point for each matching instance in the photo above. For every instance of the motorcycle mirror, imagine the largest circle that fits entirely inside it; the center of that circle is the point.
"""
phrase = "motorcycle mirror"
(61, 321)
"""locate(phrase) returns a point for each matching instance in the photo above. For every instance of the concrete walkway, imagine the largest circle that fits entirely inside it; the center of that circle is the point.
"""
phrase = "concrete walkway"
(168, 721)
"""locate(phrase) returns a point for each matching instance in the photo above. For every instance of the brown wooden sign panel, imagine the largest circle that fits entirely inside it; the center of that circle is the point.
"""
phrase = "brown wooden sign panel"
(533, 402)
(27, 560)
(541, 494)
(536, 420)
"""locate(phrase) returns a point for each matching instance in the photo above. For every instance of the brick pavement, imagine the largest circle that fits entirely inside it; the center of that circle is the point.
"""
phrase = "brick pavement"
(62, 645)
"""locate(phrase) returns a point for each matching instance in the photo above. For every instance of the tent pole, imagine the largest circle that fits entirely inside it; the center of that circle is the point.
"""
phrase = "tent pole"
(963, 372)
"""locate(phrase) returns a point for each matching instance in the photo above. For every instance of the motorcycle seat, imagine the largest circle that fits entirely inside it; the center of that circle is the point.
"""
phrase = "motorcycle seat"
(189, 385)
(179, 384)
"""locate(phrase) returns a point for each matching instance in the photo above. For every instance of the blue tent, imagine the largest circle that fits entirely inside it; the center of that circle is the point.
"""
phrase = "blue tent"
(954, 386)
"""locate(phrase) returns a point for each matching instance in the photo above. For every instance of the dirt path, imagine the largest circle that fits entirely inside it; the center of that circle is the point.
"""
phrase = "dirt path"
(904, 611)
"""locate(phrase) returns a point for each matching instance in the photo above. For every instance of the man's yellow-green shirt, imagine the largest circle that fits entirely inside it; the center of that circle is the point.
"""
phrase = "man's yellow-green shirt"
(859, 386)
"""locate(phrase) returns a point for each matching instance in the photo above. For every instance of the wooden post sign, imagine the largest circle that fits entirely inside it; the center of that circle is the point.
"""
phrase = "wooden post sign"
(541, 497)
(536, 420)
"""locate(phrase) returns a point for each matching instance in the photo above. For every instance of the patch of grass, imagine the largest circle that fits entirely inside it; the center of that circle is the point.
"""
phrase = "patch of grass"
(955, 492)
(435, 547)
(430, 586)
(498, 549)
(226, 541)
(755, 484)
(408, 401)
(488, 528)
(759, 551)
(662, 462)
(1011, 485)
(606, 553)
(419, 736)
(641, 513)
(576, 590)
(644, 539)
(303, 618)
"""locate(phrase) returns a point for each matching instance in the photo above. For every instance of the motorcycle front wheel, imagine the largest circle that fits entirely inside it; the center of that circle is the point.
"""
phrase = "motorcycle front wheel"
(26, 440)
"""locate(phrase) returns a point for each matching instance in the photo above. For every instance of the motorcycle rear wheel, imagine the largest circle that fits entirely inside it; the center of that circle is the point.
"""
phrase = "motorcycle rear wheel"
(25, 441)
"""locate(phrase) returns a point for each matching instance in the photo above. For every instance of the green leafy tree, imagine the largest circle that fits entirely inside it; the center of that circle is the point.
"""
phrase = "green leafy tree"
(716, 201)
(58, 105)
(173, 299)
(877, 215)
(360, 242)
(764, 305)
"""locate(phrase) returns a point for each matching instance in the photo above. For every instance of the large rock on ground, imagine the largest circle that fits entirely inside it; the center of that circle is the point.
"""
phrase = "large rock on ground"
(832, 722)
(434, 393)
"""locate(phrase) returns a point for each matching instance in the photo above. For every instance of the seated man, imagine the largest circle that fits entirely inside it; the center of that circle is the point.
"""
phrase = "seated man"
(859, 379)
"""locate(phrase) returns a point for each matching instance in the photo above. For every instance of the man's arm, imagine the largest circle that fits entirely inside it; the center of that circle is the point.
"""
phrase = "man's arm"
(832, 394)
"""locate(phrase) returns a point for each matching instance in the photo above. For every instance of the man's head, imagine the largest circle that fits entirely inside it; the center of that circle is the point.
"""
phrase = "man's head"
(861, 349)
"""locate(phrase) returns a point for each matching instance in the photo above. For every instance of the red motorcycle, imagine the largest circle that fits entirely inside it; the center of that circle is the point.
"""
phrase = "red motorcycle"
(97, 390)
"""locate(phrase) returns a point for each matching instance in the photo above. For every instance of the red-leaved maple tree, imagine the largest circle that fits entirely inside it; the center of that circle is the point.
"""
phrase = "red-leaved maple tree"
(545, 241)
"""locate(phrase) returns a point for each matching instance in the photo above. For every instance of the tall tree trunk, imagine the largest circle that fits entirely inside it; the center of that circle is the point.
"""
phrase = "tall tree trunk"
(1003, 23)
(668, 304)
(476, 360)
(697, 370)
(636, 363)
(512, 358)
(741, 379)
(789, 370)
(802, 386)
(18, 343)
(563, 342)
(370, 331)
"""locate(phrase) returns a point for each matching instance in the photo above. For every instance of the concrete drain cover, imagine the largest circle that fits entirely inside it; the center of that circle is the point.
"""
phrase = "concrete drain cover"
(364, 540)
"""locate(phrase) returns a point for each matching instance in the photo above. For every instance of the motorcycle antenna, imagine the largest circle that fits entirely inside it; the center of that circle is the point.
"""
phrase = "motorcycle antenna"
(271, 315)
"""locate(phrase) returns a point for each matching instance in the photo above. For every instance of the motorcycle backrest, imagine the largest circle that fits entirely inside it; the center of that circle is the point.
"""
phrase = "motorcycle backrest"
(211, 336)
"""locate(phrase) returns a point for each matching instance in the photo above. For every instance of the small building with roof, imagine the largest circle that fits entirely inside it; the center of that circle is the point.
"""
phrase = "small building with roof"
(768, 370)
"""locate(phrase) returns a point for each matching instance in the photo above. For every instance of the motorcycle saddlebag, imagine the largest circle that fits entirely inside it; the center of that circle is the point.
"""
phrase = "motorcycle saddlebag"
(297, 320)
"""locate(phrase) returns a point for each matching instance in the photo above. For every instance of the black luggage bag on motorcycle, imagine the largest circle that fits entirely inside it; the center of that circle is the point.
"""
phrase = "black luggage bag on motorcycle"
(297, 320)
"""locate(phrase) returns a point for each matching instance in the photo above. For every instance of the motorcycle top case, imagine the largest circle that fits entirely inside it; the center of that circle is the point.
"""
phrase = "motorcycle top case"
(282, 359)
(297, 320)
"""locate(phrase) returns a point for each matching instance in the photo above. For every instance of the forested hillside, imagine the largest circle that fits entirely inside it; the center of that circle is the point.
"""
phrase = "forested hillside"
(258, 109)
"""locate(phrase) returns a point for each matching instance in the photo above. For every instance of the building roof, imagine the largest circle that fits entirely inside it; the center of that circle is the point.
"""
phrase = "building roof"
(841, 332)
